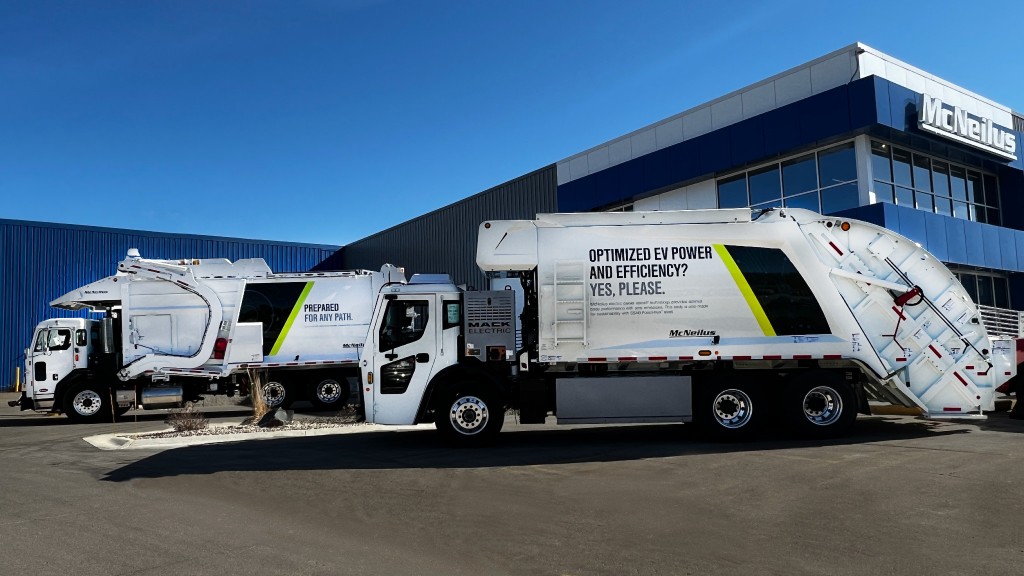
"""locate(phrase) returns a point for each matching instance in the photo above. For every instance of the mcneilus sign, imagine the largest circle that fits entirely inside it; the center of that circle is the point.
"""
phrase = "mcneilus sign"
(957, 124)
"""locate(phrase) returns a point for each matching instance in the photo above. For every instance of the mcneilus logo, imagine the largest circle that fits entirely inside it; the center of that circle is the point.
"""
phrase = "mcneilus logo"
(956, 123)
(690, 333)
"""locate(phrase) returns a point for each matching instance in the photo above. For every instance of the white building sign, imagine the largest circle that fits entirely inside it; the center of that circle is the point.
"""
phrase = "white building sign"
(958, 124)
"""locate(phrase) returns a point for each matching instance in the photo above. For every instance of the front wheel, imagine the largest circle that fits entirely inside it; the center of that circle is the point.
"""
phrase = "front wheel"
(469, 416)
(87, 403)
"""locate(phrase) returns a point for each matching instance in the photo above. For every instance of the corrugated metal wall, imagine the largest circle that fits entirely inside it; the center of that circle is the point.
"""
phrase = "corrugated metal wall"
(41, 261)
(444, 241)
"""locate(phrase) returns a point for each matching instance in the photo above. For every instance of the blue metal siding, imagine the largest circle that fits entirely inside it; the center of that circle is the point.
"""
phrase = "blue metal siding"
(444, 241)
(949, 239)
(41, 261)
(807, 123)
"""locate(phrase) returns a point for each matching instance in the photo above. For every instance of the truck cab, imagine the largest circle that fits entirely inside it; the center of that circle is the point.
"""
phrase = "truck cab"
(414, 335)
(59, 347)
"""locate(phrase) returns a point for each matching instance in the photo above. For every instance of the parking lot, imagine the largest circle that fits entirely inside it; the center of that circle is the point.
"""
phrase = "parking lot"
(898, 496)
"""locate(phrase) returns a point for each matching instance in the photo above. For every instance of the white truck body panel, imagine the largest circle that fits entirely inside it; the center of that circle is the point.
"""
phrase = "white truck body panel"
(792, 284)
(174, 311)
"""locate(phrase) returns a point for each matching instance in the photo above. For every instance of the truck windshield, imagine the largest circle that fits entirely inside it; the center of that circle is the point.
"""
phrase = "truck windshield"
(40, 341)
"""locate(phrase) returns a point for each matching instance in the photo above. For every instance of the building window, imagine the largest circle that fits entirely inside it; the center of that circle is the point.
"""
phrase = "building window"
(823, 181)
(985, 288)
(910, 179)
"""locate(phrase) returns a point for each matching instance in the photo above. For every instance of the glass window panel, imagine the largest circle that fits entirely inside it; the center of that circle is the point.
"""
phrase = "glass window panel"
(732, 192)
(839, 198)
(977, 213)
(958, 182)
(883, 193)
(925, 202)
(799, 175)
(901, 167)
(943, 206)
(880, 166)
(970, 282)
(960, 210)
(808, 201)
(837, 165)
(1002, 292)
(904, 196)
(405, 321)
(992, 216)
(922, 173)
(777, 203)
(991, 191)
(985, 297)
(974, 191)
(765, 185)
(940, 178)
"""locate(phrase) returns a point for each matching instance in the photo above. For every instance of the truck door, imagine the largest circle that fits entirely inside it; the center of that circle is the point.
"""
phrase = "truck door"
(50, 360)
(400, 357)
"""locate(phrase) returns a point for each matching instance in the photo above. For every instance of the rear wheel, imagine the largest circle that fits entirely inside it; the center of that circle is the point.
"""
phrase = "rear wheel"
(85, 402)
(820, 406)
(276, 395)
(469, 415)
(327, 393)
(727, 411)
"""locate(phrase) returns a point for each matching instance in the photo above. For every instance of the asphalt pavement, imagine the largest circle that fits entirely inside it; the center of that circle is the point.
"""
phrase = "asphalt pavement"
(898, 496)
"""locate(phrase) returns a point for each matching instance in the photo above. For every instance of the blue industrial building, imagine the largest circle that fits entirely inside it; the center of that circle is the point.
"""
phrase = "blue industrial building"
(43, 261)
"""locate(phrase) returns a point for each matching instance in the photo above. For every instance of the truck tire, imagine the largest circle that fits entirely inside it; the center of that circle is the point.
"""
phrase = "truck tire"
(86, 402)
(820, 406)
(728, 411)
(327, 393)
(276, 394)
(469, 415)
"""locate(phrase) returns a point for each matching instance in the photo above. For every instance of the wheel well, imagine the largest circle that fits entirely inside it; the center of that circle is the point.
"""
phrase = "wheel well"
(74, 377)
(447, 378)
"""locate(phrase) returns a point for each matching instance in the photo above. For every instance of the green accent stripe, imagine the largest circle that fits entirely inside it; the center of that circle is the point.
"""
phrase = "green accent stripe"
(291, 318)
(744, 286)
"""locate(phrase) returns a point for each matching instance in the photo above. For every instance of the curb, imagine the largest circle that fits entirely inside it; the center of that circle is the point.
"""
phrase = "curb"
(140, 442)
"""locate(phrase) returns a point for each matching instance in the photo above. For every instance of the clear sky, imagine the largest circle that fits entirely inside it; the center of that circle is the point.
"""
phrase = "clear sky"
(326, 121)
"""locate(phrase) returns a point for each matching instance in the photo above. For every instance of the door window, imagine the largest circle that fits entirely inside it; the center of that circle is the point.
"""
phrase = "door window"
(59, 339)
(404, 322)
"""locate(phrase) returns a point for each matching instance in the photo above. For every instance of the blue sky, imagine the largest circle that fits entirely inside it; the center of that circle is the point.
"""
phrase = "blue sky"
(326, 121)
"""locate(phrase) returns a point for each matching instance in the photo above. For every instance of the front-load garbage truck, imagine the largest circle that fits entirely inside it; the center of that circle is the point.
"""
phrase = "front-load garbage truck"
(174, 330)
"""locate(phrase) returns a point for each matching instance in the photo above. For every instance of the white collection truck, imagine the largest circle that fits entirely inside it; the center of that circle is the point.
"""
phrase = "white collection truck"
(727, 318)
(173, 330)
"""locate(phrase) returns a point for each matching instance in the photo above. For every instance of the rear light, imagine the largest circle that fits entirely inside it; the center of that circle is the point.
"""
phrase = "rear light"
(219, 347)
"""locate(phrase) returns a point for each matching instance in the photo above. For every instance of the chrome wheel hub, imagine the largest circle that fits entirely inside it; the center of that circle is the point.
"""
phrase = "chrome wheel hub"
(328, 391)
(822, 406)
(87, 403)
(273, 394)
(733, 408)
(468, 415)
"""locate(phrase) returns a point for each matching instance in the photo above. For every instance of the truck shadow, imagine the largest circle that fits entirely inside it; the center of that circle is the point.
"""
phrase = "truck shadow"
(423, 449)
(33, 419)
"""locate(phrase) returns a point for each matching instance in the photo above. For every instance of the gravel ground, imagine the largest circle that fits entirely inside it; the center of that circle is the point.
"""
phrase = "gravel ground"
(346, 417)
